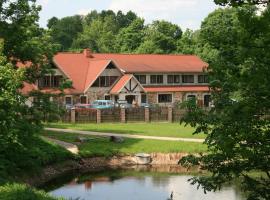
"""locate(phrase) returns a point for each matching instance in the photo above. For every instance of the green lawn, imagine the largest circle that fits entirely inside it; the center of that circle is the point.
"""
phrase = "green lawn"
(150, 129)
(100, 146)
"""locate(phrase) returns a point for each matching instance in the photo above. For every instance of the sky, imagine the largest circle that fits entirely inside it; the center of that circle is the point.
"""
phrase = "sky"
(185, 13)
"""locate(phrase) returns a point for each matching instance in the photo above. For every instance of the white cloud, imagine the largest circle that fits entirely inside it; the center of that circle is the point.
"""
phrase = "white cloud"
(43, 3)
(186, 13)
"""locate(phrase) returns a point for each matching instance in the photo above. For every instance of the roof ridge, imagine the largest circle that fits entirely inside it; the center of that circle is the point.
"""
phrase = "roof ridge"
(130, 54)
(142, 54)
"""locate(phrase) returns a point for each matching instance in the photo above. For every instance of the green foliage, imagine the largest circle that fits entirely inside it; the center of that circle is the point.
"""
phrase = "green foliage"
(16, 125)
(63, 31)
(160, 37)
(22, 40)
(44, 105)
(99, 35)
(241, 2)
(30, 158)
(22, 192)
(109, 32)
(238, 132)
(129, 38)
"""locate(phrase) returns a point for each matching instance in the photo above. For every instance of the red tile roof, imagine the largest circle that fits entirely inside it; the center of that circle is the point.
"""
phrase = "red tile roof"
(121, 83)
(178, 89)
(155, 63)
(27, 88)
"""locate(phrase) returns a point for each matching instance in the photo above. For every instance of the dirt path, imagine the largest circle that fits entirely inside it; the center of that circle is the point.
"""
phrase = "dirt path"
(70, 147)
(91, 133)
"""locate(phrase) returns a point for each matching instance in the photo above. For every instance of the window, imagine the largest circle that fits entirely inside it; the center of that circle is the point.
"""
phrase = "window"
(68, 100)
(107, 97)
(143, 98)
(83, 99)
(104, 81)
(164, 98)
(50, 81)
(141, 78)
(156, 79)
(56, 81)
(173, 79)
(203, 79)
(112, 80)
(188, 78)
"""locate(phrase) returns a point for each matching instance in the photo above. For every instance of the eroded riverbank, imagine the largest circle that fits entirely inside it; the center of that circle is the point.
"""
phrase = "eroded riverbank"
(160, 162)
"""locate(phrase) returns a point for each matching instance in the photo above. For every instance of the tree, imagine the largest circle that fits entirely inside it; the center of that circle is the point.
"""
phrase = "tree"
(130, 38)
(52, 22)
(124, 20)
(64, 31)
(241, 2)
(237, 129)
(16, 126)
(22, 41)
(18, 27)
(99, 35)
(163, 35)
(188, 42)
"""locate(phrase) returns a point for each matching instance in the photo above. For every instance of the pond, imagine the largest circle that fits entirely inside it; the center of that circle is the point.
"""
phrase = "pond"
(112, 184)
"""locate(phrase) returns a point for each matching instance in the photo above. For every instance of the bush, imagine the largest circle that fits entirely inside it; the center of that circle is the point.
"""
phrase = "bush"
(22, 192)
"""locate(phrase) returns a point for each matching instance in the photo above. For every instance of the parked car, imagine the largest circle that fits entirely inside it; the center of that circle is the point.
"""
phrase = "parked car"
(102, 104)
(123, 104)
(79, 105)
(145, 105)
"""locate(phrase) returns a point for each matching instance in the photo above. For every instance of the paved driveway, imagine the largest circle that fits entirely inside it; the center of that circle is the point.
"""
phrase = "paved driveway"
(91, 133)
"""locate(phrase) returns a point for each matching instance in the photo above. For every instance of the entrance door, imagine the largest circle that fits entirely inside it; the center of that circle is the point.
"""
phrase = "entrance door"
(130, 98)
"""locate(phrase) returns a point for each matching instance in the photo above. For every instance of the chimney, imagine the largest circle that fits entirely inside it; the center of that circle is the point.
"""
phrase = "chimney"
(87, 53)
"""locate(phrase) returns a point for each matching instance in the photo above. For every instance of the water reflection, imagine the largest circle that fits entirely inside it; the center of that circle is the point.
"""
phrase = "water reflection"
(134, 185)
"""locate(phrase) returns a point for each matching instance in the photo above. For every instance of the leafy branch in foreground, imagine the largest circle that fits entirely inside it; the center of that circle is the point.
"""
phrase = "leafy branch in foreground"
(238, 127)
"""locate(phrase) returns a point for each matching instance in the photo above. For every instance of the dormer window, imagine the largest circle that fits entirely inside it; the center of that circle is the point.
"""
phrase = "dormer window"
(49, 81)
(105, 81)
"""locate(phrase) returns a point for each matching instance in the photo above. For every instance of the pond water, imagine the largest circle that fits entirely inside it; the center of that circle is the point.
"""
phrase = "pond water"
(134, 185)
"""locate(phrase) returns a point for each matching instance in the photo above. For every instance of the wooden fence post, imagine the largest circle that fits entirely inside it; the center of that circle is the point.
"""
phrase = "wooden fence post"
(147, 114)
(98, 116)
(73, 115)
(123, 115)
(170, 112)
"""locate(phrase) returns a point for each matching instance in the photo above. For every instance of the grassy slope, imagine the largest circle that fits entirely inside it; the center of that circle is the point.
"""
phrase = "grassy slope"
(103, 147)
(152, 129)
(31, 159)
(22, 192)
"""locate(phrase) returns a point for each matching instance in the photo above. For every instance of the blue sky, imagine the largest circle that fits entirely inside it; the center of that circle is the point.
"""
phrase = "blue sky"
(186, 13)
